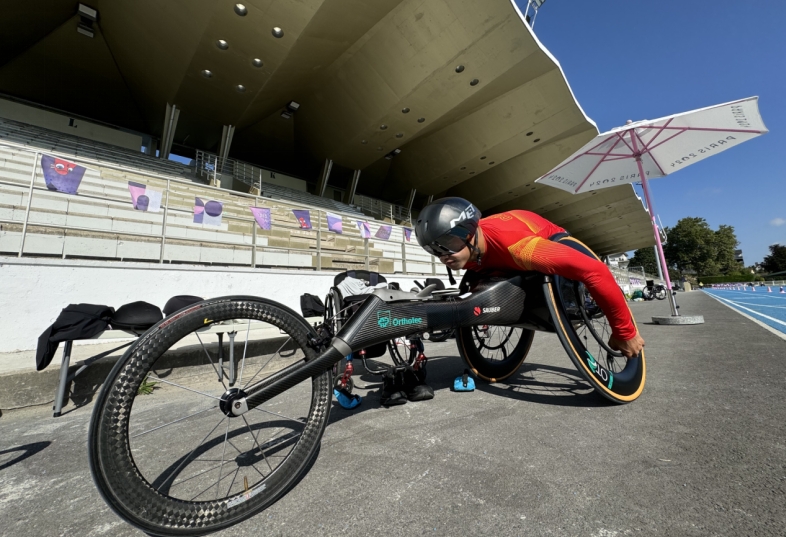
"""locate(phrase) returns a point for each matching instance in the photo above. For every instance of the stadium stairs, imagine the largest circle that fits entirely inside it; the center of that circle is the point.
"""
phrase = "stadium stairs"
(100, 222)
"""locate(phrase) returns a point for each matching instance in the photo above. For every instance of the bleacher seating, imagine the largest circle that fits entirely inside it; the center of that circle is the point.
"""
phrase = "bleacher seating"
(298, 196)
(100, 223)
(248, 174)
(48, 140)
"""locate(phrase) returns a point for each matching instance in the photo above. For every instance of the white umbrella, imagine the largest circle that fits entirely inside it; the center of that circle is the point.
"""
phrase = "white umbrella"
(655, 148)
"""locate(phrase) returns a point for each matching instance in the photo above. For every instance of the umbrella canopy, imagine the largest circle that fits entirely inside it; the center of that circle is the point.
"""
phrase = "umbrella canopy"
(663, 146)
(648, 149)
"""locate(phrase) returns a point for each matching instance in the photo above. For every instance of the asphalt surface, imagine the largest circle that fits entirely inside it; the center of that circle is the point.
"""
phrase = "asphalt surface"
(702, 452)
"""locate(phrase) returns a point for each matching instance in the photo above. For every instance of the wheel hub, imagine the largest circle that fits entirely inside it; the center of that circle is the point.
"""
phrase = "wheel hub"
(231, 400)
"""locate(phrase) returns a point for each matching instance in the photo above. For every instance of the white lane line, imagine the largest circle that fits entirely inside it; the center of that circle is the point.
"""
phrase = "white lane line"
(773, 319)
(761, 305)
(764, 294)
(763, 325)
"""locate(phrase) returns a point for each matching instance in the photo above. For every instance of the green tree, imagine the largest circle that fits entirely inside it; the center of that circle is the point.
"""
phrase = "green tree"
(645, 257)
(725, 244)
(776, 260)
(691, 246)
(694, 245)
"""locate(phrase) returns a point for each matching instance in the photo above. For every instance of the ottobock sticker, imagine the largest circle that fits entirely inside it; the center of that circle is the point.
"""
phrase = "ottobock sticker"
(606, 375)
(245, 497)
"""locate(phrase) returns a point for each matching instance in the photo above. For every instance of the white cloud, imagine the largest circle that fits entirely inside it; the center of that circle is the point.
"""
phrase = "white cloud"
(777, 222)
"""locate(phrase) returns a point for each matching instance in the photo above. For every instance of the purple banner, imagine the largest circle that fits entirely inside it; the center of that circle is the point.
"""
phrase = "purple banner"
(143, 198)
(61, 175)
(407, 233)
(335, 223)
(303, 218)
(384, 232)
(208, 213)
(262, 216)
(365, 232)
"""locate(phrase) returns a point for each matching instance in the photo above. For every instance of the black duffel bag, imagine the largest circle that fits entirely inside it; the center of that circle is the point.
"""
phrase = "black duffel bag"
(311, 306)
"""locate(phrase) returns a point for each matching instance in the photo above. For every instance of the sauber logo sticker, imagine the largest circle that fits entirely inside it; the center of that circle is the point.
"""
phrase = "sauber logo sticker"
(477, 311)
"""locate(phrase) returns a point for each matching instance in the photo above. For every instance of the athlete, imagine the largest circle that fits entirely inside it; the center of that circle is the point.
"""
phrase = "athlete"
(451, 229)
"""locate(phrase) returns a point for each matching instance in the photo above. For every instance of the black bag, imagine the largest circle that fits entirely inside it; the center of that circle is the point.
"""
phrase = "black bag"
(77, 321)
(311, 306)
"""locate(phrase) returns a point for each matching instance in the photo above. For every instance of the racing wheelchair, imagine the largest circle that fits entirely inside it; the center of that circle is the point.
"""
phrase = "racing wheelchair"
(219, 454)
(339, 308)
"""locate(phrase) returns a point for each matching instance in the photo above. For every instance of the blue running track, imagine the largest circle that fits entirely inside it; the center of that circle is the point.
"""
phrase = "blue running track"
(767, 308)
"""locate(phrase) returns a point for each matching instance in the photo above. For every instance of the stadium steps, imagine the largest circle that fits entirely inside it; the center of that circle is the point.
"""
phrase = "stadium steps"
(104, 211)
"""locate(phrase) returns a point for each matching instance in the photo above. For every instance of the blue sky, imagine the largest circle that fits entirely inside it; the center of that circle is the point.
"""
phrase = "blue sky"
(635, 59)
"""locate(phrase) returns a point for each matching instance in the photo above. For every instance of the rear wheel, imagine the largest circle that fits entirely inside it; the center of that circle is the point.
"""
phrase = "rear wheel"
(584, 330)
(494, 353)
(175, 462)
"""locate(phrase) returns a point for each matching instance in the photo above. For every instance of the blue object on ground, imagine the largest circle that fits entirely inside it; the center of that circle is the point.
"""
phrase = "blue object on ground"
(346, 399)
(464, 383)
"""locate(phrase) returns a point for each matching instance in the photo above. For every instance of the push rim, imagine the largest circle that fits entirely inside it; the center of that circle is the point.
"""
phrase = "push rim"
(617, 378)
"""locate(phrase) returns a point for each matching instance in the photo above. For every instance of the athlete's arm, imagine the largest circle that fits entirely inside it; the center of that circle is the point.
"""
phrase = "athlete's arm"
(543, 255)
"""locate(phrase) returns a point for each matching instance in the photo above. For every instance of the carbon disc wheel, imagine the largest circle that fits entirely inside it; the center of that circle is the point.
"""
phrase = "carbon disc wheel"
(494, 353)
(583, 330)
(163, 449)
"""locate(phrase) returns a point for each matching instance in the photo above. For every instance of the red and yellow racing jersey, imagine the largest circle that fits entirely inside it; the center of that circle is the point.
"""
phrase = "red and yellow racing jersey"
(519, 240)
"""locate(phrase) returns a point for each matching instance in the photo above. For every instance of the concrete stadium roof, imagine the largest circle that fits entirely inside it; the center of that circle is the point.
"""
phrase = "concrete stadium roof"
(354, 66)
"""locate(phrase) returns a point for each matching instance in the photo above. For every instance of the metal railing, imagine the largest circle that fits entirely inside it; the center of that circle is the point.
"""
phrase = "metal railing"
(207, 165)
(319, 242)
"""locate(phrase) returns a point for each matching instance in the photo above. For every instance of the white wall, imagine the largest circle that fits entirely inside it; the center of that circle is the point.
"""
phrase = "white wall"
(60, 123)
(33, 293)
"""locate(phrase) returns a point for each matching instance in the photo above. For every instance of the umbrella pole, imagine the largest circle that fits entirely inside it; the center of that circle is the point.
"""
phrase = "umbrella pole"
(662, 258)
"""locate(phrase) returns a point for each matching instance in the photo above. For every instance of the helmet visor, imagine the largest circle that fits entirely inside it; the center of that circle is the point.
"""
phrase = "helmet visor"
(451, 242)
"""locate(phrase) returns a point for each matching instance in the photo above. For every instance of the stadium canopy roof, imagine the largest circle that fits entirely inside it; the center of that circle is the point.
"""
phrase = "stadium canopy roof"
(477, 106)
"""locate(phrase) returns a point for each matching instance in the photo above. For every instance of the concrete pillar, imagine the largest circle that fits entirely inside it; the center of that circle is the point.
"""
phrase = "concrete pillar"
(227, 134)
(170, 126)
(349, 196)
(323, 179)
(410, 201)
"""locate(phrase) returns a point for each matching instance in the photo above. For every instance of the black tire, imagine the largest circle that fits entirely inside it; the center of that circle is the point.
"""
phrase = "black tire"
(494, 353)
(583, 330)
(155, 466)
(660, 293)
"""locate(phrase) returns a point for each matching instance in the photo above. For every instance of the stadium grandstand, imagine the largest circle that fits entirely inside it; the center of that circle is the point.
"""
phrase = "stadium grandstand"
(279, 136)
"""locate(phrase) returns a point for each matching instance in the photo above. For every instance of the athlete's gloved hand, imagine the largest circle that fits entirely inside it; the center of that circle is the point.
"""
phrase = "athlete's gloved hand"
(629, 348)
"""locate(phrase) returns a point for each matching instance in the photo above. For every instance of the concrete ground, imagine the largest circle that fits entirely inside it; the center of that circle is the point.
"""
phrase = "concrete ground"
(702, 452)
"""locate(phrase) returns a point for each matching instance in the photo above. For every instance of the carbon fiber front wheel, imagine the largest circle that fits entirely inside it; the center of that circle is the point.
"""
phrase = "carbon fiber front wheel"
(163, 451)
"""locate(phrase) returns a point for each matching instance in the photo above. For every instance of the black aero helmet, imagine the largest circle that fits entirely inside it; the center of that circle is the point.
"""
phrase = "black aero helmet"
(446, 225)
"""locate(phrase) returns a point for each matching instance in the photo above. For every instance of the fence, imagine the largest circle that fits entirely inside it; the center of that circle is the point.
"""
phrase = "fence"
(207, 165)
(101, 223)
